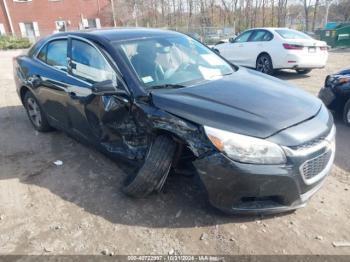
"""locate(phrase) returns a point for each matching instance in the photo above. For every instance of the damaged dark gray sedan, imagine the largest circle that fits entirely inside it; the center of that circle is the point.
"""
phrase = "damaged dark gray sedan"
(164, 101)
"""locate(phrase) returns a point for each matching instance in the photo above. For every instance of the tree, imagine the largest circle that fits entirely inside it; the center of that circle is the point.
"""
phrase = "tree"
(315, 14)
(342, 9)
(281, 12)
(196, 15)
(307, 5)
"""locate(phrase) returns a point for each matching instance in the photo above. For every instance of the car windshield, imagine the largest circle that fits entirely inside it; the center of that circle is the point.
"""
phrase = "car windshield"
(292, 34)
(172, 61)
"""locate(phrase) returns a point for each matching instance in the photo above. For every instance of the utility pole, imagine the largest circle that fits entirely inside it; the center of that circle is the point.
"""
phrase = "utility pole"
(113, 13)
(8, 16)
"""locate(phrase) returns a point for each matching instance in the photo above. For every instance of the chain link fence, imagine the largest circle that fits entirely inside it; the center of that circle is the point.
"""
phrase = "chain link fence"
(207, 35)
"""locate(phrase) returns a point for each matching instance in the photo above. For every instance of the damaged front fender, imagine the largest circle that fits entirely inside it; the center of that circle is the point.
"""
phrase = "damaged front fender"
(126, 129)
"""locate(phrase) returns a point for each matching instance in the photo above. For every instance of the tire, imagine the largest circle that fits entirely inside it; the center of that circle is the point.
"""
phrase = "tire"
(152, 175)
(35, 113)
(346, 113)
(303, 71)
(264, 64)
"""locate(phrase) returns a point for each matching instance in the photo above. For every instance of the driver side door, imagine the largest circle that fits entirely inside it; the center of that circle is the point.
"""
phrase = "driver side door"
(237, 51)
(90, 114)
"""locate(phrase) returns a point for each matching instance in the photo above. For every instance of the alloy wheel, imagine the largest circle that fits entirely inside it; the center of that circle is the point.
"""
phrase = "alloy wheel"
(263, 64)
(34, 112)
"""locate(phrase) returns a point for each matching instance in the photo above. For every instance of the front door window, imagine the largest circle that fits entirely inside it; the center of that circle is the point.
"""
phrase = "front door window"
(89, 64)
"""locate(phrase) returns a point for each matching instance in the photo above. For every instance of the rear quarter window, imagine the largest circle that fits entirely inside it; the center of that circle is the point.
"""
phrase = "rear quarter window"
(42, 54)
(34, 49)
(292, 34)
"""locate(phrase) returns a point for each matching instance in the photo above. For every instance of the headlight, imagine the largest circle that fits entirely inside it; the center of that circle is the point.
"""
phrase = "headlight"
(245, 149)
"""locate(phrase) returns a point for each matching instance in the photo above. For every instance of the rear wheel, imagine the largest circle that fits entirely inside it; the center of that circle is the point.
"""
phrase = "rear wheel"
(152, 175)
(35, 113)
(264, 64)
(303, 71)
(346, 113)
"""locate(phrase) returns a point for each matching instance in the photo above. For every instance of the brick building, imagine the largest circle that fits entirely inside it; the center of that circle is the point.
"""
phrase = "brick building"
(37, 18)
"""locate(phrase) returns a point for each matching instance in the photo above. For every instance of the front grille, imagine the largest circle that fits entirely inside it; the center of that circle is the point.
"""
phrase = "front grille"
(315, 166)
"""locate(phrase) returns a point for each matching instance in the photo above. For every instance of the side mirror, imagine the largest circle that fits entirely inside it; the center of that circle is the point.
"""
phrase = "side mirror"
(106, 87)
(215, 50)
(232, 39)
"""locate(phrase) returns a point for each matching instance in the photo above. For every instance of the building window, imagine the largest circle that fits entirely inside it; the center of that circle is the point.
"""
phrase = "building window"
(61, 26)
(2, 30)
(22, 1)
(91, 23)
(29, 29)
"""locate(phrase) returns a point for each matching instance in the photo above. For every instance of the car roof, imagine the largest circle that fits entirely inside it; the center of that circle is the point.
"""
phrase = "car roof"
(270, 28)
(120, 34)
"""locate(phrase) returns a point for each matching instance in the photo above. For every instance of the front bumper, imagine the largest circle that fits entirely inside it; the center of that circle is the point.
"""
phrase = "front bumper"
(235, 187)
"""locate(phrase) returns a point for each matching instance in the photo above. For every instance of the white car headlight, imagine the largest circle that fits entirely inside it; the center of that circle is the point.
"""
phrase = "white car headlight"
(245, 149)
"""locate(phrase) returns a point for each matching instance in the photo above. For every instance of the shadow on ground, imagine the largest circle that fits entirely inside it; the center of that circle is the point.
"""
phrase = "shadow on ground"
(91, 181)
(289, 75)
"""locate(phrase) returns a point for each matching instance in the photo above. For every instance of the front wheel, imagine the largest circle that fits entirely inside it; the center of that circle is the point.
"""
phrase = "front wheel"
(152, 175)
(346, 113)
(303, 71)
(264, 64)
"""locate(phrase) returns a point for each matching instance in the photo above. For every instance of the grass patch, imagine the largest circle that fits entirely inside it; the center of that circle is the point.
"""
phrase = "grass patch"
(9, 42)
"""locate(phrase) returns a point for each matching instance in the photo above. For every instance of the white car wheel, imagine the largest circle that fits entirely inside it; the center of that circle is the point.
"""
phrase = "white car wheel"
(264, 64)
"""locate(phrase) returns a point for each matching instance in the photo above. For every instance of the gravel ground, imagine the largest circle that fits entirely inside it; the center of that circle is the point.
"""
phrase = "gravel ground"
(77, 208)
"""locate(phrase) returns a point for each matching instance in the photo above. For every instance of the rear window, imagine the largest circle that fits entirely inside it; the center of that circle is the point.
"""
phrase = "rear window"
(292, 34)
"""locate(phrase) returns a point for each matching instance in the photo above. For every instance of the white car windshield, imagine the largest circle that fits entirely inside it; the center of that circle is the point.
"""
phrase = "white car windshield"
(292, 34)
(172, 61)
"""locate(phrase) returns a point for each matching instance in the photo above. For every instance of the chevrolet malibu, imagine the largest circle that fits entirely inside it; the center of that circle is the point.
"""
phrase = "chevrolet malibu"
(164, 101)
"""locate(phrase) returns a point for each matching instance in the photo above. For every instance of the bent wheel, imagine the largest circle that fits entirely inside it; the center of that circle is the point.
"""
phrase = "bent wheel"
(152, 175)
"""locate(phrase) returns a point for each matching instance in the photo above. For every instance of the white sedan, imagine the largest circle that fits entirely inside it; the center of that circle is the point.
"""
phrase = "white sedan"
(267, 49)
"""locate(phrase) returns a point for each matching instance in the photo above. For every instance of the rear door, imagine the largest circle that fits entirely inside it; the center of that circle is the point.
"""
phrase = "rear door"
(49, 81)
(259, 42)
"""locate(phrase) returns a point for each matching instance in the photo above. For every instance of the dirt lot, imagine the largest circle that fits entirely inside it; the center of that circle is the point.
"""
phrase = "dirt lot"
(78, 208)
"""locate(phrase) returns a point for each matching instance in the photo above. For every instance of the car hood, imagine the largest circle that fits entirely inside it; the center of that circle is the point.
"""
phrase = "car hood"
(344, 71)
(245, 102)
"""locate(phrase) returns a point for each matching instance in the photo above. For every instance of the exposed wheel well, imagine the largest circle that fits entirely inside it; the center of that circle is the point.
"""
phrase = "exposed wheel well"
(23, 92)
(182, 145)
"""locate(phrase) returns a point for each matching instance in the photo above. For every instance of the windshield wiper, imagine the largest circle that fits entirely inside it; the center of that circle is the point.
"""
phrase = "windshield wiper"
(166, 86)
